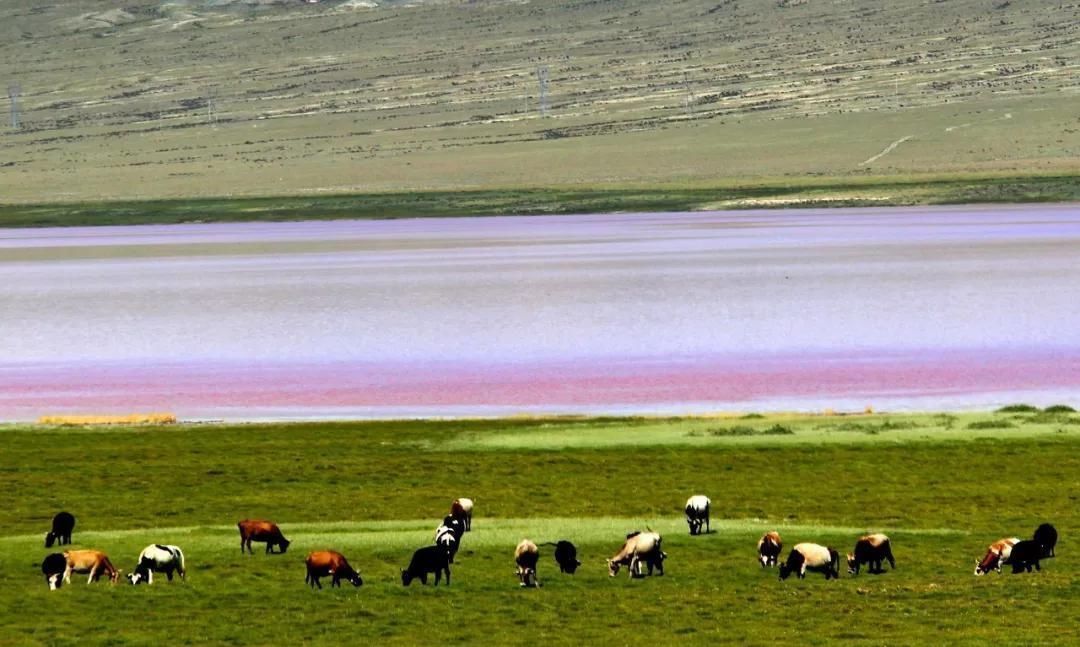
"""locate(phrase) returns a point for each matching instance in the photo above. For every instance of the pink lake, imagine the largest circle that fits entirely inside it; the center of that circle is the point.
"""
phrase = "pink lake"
(902, 309)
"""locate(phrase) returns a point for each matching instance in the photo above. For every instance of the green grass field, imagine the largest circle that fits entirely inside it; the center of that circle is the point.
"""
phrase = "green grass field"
(942, 486)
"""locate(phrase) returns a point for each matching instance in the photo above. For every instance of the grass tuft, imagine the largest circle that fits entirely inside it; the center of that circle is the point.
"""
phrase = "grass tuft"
(1018, 408)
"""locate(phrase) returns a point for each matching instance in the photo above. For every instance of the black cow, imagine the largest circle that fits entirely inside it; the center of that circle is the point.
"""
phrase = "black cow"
(1025, 554)
(429, 559)
(565, 556)
(1046, 536)
(62, 525)
(53, 567)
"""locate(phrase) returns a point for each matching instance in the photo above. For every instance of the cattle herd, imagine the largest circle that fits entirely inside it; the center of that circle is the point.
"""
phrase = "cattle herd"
(641, 553)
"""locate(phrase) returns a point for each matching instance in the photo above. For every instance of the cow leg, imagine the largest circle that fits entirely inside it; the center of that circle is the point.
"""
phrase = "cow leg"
(93, 572)
(1037, 567)
(448, 576)
(67, 575)
(168, 574)
(438, 576)
(708, 529)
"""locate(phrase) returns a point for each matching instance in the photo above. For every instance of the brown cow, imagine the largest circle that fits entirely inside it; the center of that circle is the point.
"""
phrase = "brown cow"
(639, 547)
(527, 555)
(768, 549)
(260, 530)
(871, 550)
(329, 562)
(89, 561)
(997, 553)
(462, 509)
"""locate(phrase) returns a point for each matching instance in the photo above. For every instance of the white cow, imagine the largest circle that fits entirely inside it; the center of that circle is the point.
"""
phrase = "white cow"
(160, 558)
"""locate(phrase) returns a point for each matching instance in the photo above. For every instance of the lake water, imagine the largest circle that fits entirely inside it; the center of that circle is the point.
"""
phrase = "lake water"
(899, 309)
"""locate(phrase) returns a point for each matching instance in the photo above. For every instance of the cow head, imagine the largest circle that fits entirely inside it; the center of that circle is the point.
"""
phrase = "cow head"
(785, 571)
(612, 568)
(136, 577)
(852, 564)
(988, 563)
(569, 565)
(284, 544)
(54, 580)
(527, 577)
(406, 577)
(50, 539)
(355, 579)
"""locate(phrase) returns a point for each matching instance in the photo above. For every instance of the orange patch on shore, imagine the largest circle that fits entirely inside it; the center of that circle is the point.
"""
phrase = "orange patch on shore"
(130, 419)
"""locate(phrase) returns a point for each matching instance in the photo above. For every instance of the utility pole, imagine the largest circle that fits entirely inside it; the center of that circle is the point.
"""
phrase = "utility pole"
(689, 95)
(542, 78)
(14, 90)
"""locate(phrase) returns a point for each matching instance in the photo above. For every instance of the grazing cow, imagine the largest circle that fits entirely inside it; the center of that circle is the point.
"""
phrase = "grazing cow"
(697, 513)
(565, 556)
(259, 530)
(54, 567)
(1024, 555)
(160, 558)
(1046, 536)
(93, 562)
(328, 562)
(871, 550)
(768, 549)
(996, 553)
(462, 509)
(639, 548)
(526, 555)
(62, 525)
(429, 559)
(448, 535)
(811, 557)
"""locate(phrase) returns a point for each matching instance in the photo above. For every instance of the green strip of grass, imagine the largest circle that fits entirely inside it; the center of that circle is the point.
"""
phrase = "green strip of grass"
(376, 490)
(810, 192)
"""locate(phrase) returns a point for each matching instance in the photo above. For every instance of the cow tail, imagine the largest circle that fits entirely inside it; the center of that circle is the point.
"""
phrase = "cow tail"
(183, 566)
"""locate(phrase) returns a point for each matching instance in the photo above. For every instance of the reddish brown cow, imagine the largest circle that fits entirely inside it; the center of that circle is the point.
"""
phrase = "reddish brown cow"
(260, 530)
(93, 562)
(997, 553)
(329, 562)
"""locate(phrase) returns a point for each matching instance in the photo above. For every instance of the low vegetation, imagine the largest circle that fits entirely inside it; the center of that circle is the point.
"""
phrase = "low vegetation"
(376, 490)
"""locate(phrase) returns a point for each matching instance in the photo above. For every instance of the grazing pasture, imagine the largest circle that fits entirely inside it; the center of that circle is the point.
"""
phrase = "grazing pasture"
(375, 491)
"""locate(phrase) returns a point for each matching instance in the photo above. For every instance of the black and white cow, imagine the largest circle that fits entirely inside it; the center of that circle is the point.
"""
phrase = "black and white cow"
(160, 558)
(54, 566)
(448, 535)
(697, 513)
(811, 557)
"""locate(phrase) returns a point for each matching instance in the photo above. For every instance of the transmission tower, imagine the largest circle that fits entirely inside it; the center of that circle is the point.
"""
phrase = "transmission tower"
(542, 79)
(14, 90)
(689, 95)
(211, 99)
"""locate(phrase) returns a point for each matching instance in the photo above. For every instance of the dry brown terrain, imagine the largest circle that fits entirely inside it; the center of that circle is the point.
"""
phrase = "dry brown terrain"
(165, 99)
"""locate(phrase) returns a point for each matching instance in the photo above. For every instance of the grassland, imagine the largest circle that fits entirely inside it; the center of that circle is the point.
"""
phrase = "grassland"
(942, 486)
(879, 192)
(151, 100)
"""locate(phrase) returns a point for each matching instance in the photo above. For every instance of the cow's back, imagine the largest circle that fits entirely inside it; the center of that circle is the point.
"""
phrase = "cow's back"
(815, 555)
